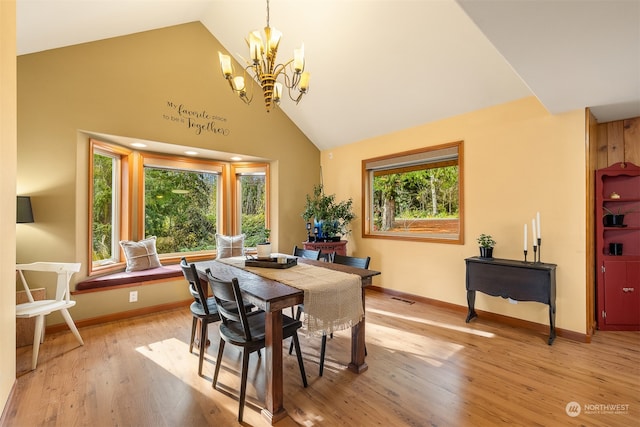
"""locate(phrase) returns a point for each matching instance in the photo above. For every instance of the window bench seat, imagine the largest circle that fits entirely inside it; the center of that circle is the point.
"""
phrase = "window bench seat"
(123, 279)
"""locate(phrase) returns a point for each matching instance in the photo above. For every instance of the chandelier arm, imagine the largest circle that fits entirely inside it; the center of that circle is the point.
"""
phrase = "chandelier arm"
(280, 69)
(291, 86)
(245, 93)
(291, 81)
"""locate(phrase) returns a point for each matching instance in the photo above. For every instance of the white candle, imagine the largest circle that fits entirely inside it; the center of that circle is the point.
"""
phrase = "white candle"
(525, 237)
(538, 222)
(533, 231)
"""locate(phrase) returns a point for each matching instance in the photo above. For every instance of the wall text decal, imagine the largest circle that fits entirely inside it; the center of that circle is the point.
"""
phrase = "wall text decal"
(198, 120)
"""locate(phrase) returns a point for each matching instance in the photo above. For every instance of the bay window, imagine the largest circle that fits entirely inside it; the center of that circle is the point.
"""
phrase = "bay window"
(180, 200)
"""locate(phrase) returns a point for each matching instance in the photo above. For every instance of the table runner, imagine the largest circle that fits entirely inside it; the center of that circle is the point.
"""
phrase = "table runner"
(332, 299)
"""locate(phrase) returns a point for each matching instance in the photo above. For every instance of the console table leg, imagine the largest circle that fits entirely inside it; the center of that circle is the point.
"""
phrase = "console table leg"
(471, 302)
(552, 323)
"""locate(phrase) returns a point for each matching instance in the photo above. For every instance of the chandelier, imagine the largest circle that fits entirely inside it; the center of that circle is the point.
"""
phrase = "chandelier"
(264, 69)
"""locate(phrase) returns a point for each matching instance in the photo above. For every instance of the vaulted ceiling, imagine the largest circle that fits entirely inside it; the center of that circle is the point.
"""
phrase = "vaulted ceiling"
(379, 66)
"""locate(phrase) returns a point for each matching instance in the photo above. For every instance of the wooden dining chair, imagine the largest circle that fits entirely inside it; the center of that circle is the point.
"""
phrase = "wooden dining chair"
(353, 261)
(306, 253)
(202, 313)
(359, 262)
(245, 330)
(203, 309)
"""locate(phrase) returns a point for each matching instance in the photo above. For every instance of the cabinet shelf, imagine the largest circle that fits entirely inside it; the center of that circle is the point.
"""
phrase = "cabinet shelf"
(607, 229)
(626, 200)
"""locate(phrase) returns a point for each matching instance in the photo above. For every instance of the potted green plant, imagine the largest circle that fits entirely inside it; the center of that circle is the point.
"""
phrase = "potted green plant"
(332, 218)
(486, 243)
(264, 248)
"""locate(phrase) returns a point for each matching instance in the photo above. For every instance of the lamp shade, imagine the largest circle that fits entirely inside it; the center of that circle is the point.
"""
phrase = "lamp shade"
(24, 213)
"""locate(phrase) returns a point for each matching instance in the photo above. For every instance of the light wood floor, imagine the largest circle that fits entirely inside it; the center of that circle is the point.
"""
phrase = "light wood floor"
(426, 368)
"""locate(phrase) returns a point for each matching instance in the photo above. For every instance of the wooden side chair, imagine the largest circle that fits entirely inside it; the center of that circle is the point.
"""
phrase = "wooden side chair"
(309, 254)
(359, 262)
(306, 253)
(245, 330)
(203, 309)
(39, 309)
(353, 261)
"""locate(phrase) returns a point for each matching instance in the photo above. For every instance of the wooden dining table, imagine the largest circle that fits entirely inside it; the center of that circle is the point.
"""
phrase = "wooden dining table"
(273, 296)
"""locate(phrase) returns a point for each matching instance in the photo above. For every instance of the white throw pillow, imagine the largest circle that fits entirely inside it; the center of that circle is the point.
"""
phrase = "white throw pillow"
(229, 246)
(141, 255)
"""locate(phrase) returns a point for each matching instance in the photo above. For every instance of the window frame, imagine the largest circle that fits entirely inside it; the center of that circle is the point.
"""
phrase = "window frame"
(404, 162)
(121, 228)
(237, 170)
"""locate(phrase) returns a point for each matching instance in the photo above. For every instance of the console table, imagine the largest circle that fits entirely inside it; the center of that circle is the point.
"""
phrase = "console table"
(327, 248)
(518, 280)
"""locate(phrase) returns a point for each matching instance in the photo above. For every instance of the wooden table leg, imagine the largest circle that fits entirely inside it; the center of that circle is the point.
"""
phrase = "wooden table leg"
(274, 396)
(357, 363)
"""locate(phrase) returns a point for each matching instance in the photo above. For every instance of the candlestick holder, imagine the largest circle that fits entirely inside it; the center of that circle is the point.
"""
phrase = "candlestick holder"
(309, 232)
(535, 249)
(539, 249)
(525, 255)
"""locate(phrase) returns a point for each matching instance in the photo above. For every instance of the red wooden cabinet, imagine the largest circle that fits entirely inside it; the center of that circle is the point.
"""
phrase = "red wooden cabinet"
(618, 247)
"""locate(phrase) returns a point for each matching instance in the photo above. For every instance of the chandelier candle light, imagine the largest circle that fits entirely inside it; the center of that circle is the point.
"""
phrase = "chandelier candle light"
(263, 68)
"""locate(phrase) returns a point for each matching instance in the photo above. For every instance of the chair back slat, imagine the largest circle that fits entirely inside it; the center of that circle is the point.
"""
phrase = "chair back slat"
(230, 303)
(359, 262)
(190, 273)
(306, 253)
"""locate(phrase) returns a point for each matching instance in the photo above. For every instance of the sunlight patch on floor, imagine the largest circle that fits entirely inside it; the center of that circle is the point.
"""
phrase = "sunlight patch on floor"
(432, 323)
(429, 350)
(158, 352)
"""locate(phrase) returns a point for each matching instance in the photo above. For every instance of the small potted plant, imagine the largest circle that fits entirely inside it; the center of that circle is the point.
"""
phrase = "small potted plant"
(264, 248)
(486, 243)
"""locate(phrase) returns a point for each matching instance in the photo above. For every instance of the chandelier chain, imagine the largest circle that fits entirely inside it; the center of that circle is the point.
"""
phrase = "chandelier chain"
(268, 13)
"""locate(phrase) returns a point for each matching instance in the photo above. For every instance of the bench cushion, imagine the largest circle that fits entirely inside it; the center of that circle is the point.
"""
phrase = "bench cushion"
(129, 277)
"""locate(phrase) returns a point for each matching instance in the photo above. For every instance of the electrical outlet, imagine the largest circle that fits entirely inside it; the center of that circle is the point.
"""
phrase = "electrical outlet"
(133, 296)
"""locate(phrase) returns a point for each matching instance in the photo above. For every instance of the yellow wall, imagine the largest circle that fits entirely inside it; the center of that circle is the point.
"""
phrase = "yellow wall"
(123, 86)
(519, 160)
(7, 197)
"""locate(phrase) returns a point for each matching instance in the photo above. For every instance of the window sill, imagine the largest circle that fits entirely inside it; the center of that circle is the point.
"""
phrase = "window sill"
(123, 279)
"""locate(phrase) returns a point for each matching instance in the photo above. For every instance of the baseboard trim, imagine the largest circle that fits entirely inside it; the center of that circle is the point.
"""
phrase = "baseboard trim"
(59, 327)
(511, 321)
(8, 403)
